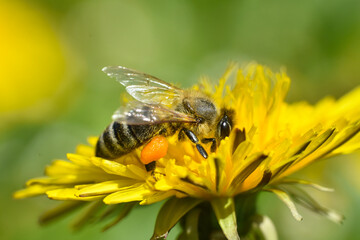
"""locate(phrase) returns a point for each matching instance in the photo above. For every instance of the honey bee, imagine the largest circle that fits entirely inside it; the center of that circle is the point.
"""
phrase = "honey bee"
(161, 109)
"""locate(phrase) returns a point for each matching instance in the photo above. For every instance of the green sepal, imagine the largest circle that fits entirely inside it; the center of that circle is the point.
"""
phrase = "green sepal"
(170, 213)
(109, 212)
(283, 196)
(292, 181)
(262, 228)
(303, 198)
(245, 209)
(190, 230)
(125, 210)
(59, 211)
(224, 209)
(89, 216)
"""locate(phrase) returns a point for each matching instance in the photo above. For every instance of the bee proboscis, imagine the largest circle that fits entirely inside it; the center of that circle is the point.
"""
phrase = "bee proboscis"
(161, 109)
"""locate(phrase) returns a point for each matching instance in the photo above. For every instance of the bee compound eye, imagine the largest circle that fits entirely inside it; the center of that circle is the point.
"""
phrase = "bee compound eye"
(224, 128)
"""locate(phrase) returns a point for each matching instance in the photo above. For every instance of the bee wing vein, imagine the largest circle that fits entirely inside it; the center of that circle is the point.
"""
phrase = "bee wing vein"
(144, 87)
(138, 113)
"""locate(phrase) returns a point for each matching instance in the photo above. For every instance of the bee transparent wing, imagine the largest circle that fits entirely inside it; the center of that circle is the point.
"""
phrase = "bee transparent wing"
(144, 87)
(128, 77)
(138, 113)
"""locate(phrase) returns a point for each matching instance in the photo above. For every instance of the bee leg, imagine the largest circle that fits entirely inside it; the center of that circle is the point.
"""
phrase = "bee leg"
(213, 143)
(202, 151)
(150, 166)
(195, 140)
(181, 136)
(190, 135)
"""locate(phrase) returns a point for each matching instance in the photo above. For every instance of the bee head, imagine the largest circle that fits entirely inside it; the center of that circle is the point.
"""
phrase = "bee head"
(202, 109)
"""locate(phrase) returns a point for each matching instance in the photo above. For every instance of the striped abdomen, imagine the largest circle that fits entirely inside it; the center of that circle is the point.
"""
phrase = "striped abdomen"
(119, 139)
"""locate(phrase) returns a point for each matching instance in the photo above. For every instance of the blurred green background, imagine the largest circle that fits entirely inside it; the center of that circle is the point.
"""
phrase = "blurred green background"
(53, 94)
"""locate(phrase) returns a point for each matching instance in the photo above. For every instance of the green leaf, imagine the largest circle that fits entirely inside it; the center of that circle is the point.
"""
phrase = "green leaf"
(224, 209)
(170, 213)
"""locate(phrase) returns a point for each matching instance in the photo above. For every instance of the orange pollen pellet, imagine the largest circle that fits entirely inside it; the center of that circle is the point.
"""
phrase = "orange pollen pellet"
(154, 150)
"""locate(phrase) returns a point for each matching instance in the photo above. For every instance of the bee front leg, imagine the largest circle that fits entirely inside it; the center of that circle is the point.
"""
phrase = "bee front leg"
(191, 135)
(213, 143)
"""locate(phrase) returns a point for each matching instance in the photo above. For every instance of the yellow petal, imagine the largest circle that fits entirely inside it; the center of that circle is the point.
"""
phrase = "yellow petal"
(69, 194)
(140, 172)
(34, 190)
(131, 193)
(157, 197)
(104, 187)
(73, 179)
(113, 167)
(85, 150)
(79, 160)
(92, 141)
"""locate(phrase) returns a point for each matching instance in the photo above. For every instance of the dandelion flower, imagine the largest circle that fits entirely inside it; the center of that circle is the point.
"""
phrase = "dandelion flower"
(270, 140)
